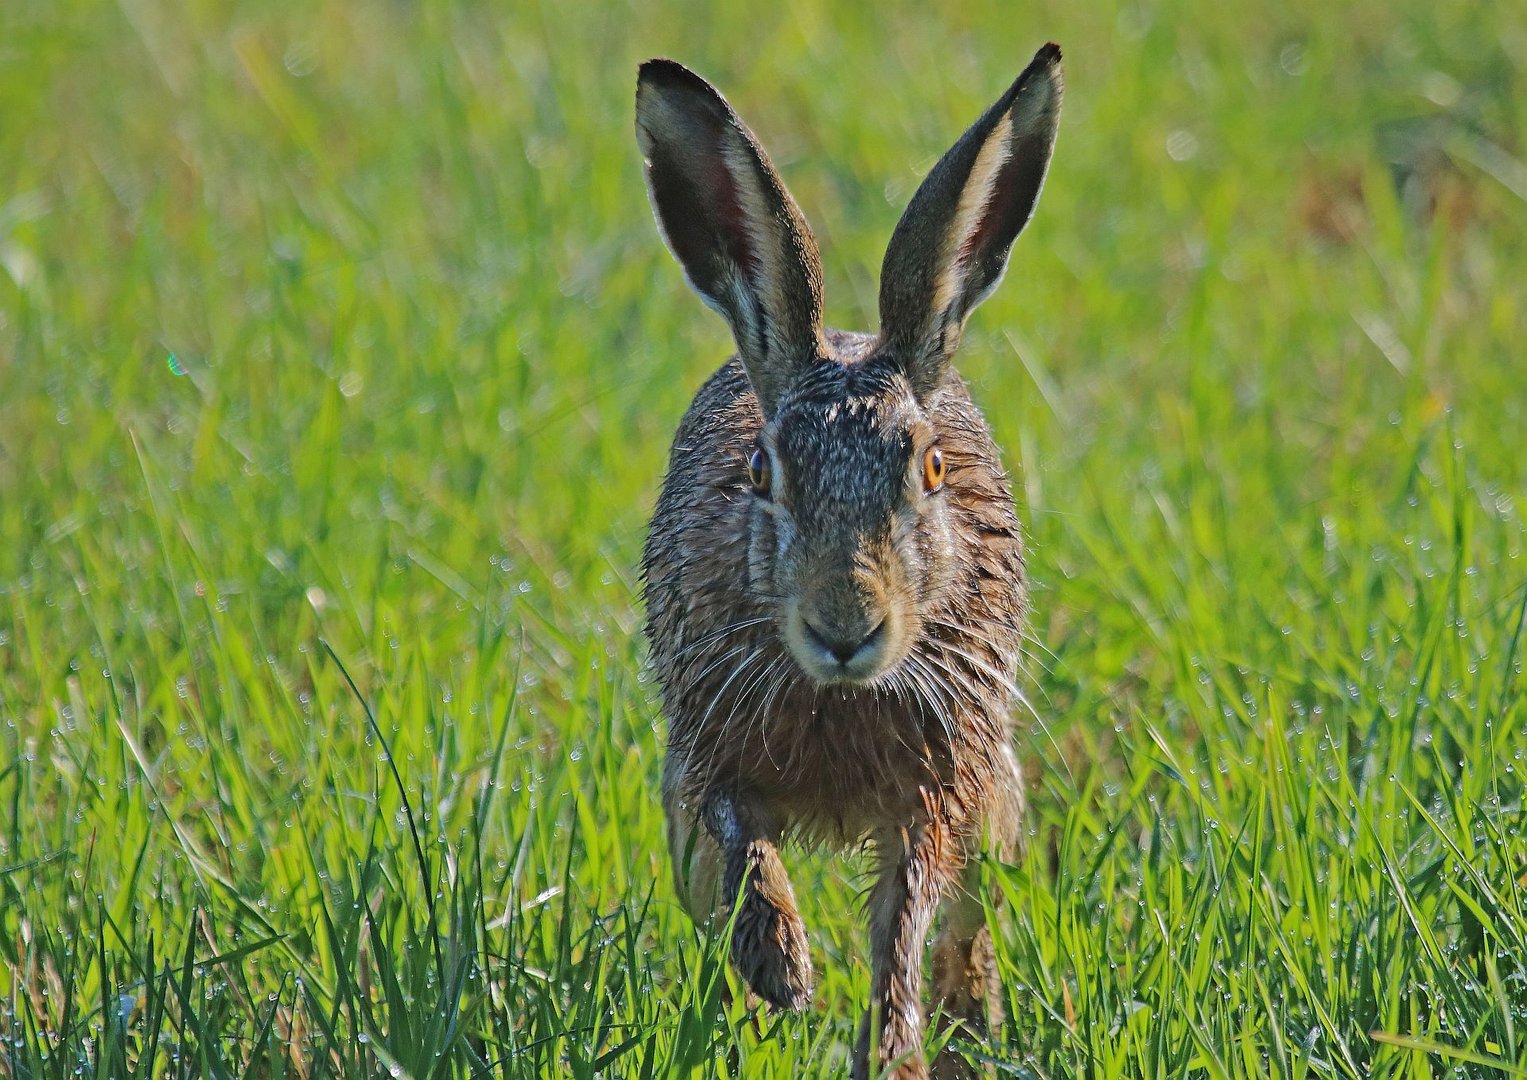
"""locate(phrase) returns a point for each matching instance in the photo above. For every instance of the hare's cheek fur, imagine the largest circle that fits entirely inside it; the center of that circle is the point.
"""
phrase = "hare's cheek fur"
(926, 542)
(771, 532)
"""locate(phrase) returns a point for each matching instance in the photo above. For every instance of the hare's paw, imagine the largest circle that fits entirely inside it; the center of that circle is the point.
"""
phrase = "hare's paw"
(952, 1065)
(966, 992)
(770, 952)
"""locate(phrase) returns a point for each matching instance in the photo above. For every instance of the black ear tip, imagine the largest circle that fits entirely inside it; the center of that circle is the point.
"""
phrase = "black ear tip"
(1045, 67)
(657, 67)
(664, 73)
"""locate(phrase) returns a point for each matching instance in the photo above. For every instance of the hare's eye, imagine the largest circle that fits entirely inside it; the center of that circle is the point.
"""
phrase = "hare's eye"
(933, 470)
(760, 475)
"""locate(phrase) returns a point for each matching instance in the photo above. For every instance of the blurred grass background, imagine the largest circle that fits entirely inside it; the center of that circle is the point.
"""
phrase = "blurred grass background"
(347, 323)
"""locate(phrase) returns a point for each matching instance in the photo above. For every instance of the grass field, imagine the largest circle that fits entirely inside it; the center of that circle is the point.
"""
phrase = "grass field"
(336, 343)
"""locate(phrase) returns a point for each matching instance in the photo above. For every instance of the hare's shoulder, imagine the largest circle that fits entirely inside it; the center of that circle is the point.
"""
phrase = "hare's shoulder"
(697, 543)
(707, 464)
(723, 416)
(988, 532)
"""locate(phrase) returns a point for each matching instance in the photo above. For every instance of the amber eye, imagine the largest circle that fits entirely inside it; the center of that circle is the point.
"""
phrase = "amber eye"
(760, 475)
(933, 470)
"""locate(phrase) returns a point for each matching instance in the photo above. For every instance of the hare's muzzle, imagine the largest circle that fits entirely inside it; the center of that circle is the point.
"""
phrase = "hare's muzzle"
(843, 649)
(851, 643)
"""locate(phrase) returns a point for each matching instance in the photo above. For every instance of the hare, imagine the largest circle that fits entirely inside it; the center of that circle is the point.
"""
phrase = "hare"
(834, 571)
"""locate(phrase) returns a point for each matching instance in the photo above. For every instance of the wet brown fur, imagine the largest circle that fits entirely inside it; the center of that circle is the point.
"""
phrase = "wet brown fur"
(915, 759)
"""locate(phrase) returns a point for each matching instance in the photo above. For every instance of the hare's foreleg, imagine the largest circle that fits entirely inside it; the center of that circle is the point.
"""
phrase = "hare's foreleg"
(966, 989)
(768, 947)
(965, 983)
(917, 867)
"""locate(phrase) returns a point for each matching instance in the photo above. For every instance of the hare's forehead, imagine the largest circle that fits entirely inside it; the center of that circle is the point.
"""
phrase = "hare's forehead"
(848, 402)
(848, 416)
(840, 429)
(848, 444)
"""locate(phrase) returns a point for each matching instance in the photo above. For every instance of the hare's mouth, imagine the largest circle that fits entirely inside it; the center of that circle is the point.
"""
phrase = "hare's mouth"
(834, 654)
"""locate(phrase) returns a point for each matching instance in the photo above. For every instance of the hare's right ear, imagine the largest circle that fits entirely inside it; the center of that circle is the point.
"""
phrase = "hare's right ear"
(730, 222)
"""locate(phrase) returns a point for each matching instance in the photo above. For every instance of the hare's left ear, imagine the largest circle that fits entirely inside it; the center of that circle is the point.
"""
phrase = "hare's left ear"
(951, 246)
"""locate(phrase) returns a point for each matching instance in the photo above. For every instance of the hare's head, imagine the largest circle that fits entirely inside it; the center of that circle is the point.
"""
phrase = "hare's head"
(852, 538)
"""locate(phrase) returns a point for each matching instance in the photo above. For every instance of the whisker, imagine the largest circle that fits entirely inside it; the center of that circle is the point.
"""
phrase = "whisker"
(719, 738)
(716, 635)
(1017, 694)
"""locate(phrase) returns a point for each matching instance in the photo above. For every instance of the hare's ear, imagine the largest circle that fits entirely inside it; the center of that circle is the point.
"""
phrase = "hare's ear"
(728, 219)
(950, 248)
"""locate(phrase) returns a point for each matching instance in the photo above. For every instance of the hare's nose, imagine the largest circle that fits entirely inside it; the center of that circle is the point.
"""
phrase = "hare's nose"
(843, 648)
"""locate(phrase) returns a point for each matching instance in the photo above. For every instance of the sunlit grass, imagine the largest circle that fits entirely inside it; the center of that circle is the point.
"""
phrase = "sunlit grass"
(336, 342)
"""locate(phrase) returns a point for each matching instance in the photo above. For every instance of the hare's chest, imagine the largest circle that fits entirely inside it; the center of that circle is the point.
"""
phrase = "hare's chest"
(836, 770)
